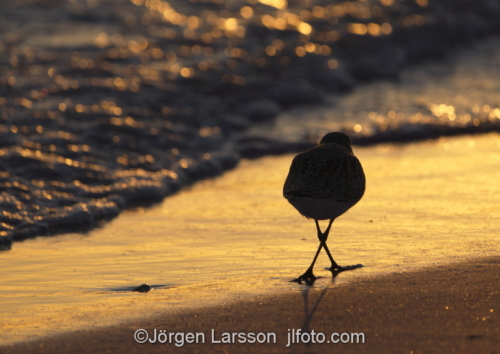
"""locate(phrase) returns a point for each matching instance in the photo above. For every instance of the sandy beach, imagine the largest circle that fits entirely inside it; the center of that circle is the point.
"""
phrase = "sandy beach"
(447, 309)
(147, 142)
(426, 233)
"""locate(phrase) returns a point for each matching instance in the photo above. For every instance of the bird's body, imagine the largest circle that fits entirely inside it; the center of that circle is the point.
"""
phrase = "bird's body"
(324, 182)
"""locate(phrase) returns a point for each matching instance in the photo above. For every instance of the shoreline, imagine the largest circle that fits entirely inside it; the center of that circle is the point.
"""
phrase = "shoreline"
(235, 238)
(450, 308)
(116, 103)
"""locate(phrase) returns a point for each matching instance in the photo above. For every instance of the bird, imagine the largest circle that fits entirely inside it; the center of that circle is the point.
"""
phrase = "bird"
(322, 184)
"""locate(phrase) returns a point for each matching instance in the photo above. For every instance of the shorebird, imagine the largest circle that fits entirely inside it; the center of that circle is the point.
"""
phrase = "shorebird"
(323, 183)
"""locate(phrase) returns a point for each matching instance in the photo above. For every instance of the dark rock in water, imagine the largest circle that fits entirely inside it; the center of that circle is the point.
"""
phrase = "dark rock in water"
(262, 110)
(144, 288)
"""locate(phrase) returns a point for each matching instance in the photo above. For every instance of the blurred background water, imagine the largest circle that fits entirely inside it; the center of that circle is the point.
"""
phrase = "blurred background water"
(109, 104)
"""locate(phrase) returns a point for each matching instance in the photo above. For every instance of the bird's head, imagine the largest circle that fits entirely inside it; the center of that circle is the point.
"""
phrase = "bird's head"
(337, 138)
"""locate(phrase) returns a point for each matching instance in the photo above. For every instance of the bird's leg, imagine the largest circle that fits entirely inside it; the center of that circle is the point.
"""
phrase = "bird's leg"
(309, 276)
(323, 236)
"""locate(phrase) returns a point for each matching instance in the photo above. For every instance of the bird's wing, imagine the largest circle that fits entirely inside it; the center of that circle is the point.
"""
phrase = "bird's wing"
(325, 172)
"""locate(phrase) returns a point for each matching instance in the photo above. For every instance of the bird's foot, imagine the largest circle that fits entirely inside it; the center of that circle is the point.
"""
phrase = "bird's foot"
(308, 277)
(335, 268)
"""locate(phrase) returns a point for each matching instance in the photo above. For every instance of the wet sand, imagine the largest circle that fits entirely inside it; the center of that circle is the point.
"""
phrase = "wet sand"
(234, 240)
(444, 309)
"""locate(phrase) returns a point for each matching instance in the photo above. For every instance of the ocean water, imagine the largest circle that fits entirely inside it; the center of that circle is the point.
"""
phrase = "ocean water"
(106, 105)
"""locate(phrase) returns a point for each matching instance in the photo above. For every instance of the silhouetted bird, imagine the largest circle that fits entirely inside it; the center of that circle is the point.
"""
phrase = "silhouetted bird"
(323, 183)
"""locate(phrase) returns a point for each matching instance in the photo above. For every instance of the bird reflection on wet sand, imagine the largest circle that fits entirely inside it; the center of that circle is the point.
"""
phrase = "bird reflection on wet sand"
(295, 336)
(323, 183)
